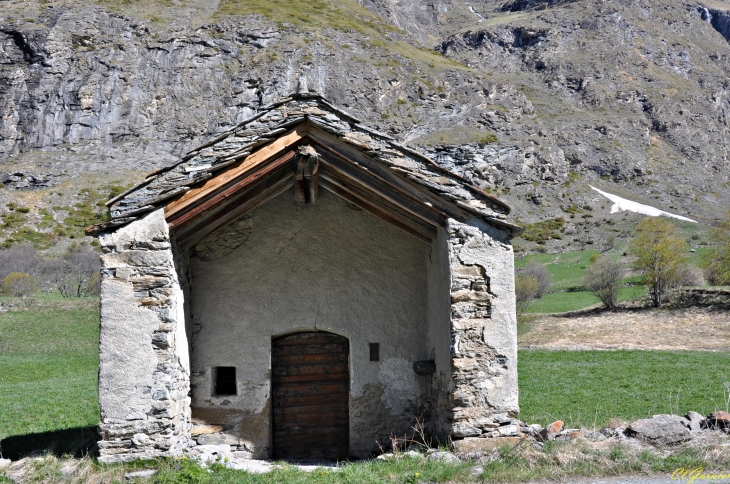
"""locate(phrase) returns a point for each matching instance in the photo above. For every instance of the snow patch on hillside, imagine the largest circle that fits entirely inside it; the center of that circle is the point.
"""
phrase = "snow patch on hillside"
(621, 204)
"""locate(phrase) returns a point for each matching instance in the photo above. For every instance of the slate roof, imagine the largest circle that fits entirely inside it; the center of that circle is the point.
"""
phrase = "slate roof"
(235, 144)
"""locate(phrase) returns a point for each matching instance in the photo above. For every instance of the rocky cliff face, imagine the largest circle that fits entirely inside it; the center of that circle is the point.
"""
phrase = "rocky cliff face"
(531, 99)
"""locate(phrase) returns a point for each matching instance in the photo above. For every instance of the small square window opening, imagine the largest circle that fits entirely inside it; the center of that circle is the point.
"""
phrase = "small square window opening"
(374, 351)
(224, 378)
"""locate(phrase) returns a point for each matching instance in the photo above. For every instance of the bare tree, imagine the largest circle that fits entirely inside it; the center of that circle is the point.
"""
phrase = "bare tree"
(603, 278)
(541, 275)
(692, 276)
(75, 274)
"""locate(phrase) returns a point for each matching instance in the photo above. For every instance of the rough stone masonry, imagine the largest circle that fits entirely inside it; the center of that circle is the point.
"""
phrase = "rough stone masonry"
(144, 370)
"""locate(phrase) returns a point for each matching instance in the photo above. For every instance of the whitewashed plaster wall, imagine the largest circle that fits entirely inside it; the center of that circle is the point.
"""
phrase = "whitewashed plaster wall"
(326, 266)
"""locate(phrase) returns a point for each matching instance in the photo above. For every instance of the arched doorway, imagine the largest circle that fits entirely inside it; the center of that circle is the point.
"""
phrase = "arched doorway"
(310, 381)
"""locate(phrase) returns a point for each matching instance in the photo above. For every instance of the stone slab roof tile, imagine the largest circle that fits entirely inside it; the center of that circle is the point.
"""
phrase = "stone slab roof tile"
(236, 143)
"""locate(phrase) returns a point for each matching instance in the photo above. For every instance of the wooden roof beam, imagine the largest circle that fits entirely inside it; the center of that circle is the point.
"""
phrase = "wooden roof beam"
(348, 170)
(221, 196)
(427, 233)
(334, 144)
(250, 200)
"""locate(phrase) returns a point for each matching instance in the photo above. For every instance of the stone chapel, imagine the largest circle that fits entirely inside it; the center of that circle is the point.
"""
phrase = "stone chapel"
(303, 287)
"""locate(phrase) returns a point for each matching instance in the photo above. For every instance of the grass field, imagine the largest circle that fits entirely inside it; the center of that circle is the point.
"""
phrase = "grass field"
(587, 388)
(567, 271)
(48, 366)
(560, 302)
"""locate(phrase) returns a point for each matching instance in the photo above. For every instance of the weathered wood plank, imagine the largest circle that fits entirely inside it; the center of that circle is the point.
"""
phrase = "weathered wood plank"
(331, 142)
(222, 215)
(230, 191)
(307, 349)
(311, 389)
(324, 409)
(313, 369)
(311, 358)
(314, 337)
(310, 396)
(354, 174)
(376, 200)
(323, 399)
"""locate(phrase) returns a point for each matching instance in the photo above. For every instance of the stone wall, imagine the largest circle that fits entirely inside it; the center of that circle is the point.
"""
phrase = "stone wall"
(144, 364)
(483, 329)
(289, 267)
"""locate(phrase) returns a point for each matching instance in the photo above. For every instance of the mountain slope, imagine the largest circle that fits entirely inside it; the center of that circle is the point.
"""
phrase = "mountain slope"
(531, 99)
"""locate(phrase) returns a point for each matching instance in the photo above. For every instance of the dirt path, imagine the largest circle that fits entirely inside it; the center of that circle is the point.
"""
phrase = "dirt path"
(704, 329)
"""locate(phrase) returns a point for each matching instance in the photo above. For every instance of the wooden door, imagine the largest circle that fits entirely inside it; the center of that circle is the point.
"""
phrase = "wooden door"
(310, 390)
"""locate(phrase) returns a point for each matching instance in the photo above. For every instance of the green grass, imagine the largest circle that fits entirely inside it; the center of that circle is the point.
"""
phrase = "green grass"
(311, 14)
(566, 268)
(403, 470)
(48, 378)
(560, 302)
(48, 365)
(590, 387)
(567, 271)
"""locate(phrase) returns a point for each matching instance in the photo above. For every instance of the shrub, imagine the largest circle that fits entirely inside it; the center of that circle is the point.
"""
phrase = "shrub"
(541, 232)
(541, 275)
(691, 276)
(525, 289)
(603, 279)
(19, 284)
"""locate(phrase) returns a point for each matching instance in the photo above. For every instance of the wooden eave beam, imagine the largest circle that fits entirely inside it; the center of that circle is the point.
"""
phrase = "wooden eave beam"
(244, 203)
(234, 172)
(375, 200)
(196, 209)
(332, 143)
(347, 170)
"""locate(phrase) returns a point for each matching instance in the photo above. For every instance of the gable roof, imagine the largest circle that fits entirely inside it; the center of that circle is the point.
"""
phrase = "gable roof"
(248, 163)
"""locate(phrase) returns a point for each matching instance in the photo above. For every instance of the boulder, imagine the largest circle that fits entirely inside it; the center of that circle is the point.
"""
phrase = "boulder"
(551, 431)
(660, 430)
(199, 429)
(447, 457)
(143, 474)
(508, 430)
(570, 434)
(462, 429)
(217, 439)
(717, 421)
(694, 421)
